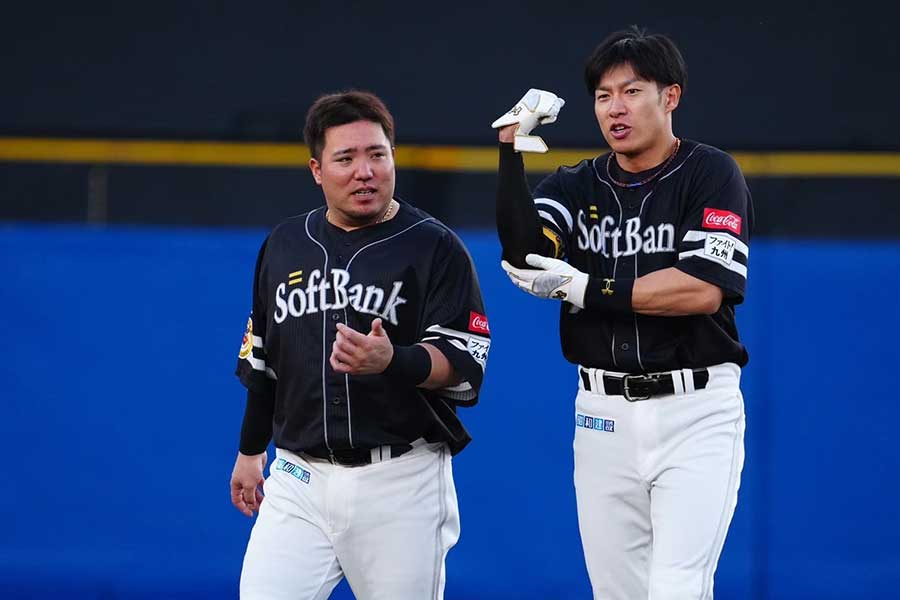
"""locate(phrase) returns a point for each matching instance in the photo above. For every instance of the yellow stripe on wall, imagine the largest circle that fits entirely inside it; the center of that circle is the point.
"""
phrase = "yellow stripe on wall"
(464, 159)
(149, 152)
(819, 164)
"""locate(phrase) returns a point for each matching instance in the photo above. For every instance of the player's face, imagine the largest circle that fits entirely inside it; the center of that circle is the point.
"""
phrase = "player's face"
(635, 115)
(356, 173)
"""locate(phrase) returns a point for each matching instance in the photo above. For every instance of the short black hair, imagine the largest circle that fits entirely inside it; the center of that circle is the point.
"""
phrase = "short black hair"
(653, 57)
(332, 110)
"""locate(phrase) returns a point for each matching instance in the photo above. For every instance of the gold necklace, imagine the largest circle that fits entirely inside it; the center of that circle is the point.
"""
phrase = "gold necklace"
(648, 179)
(388, 212)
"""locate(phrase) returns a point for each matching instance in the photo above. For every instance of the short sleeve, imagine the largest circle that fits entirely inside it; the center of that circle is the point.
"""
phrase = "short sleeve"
(455, 321)
(252, 367)
(715, 246)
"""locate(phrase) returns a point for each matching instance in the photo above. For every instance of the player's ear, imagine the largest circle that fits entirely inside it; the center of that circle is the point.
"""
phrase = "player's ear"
(671, 97)
(316, 168)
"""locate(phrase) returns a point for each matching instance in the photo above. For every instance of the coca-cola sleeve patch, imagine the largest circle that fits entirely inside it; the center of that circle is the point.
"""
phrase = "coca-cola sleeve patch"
(715, 218)
(478, 323)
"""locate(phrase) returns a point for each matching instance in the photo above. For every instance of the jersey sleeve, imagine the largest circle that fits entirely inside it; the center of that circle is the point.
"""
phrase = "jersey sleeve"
(715, 243)
(555, 211)
(455, 321)
(252, 367)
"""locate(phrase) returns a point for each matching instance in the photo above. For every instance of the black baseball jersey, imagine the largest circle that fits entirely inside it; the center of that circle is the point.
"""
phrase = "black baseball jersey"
(411, 271)
(695, 216)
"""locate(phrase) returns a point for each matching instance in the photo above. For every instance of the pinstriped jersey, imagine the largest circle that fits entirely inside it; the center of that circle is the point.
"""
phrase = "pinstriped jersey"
(695, 216)
(413, 273)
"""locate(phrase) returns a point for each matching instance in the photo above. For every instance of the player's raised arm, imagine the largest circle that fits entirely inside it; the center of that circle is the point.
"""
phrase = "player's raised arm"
(518, 222)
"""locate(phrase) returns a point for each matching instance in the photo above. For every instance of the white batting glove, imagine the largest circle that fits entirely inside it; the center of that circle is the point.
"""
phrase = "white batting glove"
(536, 107)
(551, 278)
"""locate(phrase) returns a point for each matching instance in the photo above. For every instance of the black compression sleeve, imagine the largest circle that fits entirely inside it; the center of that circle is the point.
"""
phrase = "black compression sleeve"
(518, 223)
(256, 430)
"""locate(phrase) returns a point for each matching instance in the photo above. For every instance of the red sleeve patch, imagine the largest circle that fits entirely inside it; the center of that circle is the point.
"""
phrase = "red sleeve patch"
(714, 218)
(478, 323)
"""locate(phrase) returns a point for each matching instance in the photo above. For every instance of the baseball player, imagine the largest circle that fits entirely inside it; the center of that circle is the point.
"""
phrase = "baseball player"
(646, 248)
(367, 332)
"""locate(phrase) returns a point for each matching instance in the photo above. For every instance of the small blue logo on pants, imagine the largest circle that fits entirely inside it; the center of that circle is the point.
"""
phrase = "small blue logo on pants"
(292, 469)
(595, 423)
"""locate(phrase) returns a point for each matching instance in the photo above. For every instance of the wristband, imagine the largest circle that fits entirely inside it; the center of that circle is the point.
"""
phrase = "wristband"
(610, 295)
(410, 365)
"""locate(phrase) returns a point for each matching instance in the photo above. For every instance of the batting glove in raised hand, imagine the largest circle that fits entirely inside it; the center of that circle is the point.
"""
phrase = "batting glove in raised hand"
(550, 278)
(537, 107)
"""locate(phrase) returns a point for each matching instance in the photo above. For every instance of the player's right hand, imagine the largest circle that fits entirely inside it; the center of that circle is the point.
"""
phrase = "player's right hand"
(550, 278)
(246, 480)
(537, 107)
(358, 354)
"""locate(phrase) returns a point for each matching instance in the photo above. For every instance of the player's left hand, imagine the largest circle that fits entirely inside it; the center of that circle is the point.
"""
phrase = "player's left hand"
(358, 354)
(537, 107)
(551, 278)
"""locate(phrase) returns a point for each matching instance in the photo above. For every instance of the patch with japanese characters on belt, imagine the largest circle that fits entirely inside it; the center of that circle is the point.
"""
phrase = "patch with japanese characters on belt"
(595, 423)
(293, 470)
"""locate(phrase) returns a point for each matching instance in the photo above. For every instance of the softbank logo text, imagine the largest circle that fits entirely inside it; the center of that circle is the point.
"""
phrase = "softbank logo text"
(610, 241)
(322, 294)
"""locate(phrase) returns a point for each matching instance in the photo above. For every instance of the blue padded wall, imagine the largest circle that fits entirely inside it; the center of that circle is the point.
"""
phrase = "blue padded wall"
(121, 416)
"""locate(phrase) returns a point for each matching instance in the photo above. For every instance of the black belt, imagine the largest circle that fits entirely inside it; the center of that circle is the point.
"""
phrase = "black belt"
(357, 457)
(643, 387)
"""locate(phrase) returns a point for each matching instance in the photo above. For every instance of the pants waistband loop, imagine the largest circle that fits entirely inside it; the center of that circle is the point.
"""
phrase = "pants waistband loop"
(383, 453)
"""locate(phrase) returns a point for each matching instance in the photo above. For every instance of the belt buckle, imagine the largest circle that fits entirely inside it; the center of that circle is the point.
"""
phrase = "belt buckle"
(637, 379)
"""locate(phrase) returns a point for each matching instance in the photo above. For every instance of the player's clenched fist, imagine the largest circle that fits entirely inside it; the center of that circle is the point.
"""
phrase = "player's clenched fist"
(246, 479)
(358, 354)
(537, 107)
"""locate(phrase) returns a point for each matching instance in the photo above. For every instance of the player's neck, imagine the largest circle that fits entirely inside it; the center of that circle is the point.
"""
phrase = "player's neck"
(389, 213)
(654, 156)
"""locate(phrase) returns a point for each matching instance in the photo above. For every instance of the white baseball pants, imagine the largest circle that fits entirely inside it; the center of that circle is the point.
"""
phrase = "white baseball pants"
(386, 527)
(656, 485)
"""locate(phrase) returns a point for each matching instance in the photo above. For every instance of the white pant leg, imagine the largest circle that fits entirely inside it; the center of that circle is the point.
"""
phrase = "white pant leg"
(613, 498)
(290, 555)
(694, 492)
(403, 520)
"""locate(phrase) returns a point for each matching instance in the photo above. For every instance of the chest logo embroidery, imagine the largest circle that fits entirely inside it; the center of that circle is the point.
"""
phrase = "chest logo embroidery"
(612, 242)
(323, 293)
